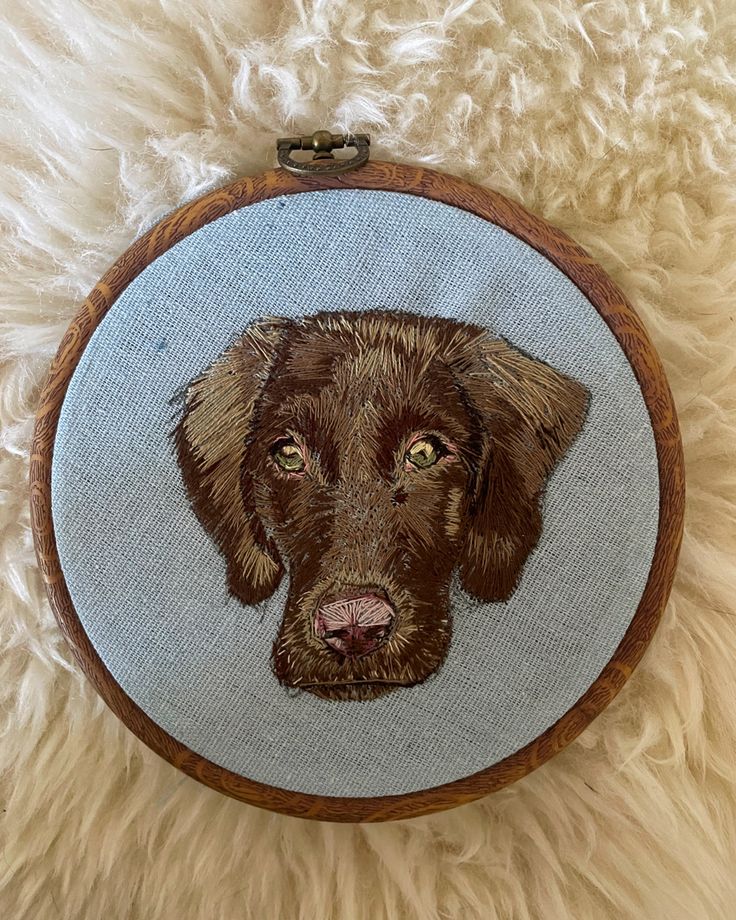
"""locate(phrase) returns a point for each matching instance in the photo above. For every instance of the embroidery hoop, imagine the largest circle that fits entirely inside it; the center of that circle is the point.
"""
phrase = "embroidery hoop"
(566, 256)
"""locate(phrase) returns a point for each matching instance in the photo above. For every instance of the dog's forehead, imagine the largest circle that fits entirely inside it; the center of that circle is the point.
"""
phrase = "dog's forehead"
(336, 373)
(363, 375)
(368, 347)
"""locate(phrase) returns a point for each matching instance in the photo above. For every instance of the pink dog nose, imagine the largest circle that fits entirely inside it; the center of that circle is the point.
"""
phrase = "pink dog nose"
(354, 624)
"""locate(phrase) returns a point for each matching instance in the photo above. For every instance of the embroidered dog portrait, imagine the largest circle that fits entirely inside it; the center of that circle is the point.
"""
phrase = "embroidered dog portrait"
(370, 456)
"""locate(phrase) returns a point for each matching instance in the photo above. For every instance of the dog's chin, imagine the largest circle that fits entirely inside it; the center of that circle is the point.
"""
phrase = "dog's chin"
(334, 679)
(337, 679)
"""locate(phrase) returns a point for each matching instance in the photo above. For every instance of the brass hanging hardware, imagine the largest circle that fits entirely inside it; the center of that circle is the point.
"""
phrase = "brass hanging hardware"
(324, 162)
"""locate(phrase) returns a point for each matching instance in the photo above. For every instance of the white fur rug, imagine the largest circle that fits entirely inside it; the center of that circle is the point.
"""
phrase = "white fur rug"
(615, 121)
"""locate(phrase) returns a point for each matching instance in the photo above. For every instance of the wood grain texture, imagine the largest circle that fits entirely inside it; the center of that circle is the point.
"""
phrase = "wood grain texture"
(623, 323)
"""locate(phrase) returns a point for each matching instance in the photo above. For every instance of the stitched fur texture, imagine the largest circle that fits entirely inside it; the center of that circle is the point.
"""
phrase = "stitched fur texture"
(370, 455)
(615, 121)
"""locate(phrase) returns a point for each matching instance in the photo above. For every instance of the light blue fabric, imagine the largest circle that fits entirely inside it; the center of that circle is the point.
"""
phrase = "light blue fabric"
(149, 585)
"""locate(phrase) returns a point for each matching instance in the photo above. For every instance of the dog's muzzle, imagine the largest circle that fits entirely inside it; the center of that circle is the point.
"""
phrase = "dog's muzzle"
(355, 621)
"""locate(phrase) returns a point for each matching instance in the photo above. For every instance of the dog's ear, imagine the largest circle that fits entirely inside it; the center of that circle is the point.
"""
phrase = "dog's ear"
(530, 415)
(211, 439)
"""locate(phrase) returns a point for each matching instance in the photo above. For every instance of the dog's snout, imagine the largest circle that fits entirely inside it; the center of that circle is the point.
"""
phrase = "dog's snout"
(354, 622)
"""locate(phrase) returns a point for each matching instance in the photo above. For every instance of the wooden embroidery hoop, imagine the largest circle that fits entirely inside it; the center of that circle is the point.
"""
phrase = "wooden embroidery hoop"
(594, 284)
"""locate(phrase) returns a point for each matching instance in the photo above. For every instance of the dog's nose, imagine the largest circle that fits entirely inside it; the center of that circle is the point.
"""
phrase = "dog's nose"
(354, 624)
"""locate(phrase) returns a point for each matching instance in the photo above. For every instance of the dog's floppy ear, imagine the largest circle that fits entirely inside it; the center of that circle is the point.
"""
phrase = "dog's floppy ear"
(530, 415)
(210, 441)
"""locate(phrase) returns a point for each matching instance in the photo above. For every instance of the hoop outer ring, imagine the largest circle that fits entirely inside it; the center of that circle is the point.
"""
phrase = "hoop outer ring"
(621, 319)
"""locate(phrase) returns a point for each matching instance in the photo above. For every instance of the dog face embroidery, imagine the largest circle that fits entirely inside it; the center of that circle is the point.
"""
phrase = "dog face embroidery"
(371, 455)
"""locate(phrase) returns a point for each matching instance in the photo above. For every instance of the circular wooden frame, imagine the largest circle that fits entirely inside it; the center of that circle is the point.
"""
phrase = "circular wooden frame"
(623, 323)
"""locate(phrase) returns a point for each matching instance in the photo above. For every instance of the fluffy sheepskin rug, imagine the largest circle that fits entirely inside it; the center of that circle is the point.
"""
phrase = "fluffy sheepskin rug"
(614, 121)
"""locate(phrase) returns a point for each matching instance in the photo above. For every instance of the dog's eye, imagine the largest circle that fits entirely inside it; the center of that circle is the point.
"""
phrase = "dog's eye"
(288, 456)
(424, 452)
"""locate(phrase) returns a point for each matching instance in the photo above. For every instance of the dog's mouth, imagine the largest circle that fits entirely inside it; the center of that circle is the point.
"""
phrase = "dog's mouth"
(357, 689)
(357, 682)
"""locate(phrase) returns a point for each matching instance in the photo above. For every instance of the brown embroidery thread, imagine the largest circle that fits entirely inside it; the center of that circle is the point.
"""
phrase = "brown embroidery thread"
(372, 454)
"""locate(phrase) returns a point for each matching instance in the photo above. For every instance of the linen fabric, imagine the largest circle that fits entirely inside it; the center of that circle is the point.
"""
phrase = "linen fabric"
(149, 585)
